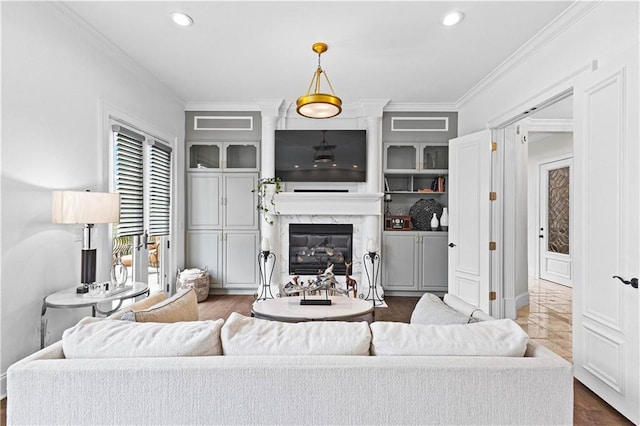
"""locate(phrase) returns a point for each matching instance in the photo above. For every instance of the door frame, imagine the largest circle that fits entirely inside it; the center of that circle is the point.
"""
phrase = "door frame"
(568, 158)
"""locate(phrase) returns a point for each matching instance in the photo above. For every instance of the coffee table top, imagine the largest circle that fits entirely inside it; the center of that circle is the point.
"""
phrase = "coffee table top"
(289, 309)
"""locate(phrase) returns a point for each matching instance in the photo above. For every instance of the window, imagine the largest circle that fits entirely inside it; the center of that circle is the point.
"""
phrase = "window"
(142, 167)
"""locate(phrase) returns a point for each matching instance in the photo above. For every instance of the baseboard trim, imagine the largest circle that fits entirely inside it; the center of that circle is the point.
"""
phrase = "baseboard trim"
(522, 300)
(3, 386)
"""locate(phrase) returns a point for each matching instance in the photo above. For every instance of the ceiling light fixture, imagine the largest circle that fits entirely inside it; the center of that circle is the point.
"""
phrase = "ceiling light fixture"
(452, 18)
(181, 19)
(317, 104)
(324, 152)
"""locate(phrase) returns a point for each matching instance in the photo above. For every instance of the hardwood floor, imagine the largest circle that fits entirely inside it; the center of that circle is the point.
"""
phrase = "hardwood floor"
(545, 299)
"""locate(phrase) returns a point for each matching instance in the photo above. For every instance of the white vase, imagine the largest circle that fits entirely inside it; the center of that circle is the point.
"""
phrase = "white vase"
(434, 222)
(444, 219)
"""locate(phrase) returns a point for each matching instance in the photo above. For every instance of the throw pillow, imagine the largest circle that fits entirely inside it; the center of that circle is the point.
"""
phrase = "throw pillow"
(140, 305)
(182, 306)
(431, 310)
(98, 338)
(488, 338)
(465, 308)
(251, 336)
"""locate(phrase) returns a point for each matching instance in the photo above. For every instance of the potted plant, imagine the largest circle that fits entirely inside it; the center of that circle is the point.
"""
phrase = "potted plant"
(266, 189)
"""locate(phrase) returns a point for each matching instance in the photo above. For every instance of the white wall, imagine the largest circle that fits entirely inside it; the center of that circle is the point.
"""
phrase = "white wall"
(553, 146)
(56, 78)
(608, 28)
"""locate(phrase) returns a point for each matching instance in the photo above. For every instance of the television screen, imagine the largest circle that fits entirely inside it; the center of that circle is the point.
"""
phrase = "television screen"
(321, 155)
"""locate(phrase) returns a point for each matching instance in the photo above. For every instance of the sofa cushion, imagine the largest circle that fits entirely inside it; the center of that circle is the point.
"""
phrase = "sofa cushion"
(251, 336)
(488, 338)
(431, 310)
(183, 306)
(465, 308)
(145, 303)
(105, 338)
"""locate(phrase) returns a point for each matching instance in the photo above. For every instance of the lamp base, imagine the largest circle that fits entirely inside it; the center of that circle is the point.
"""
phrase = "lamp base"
(82, 289)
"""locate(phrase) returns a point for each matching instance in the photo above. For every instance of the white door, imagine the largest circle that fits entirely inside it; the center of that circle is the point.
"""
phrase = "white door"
(555, 214)
(469, 217)
(607, 233)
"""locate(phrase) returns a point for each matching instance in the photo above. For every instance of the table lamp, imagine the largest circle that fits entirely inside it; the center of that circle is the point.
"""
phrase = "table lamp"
(86, 208)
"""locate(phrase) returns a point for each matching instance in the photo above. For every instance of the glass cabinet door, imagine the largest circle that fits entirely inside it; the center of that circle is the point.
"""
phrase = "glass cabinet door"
(435, 157)
(204, 156)
(401, 157)
(241, 156)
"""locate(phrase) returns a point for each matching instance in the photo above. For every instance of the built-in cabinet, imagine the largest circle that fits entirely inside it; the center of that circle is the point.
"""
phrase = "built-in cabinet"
(415, 261)
(415, 162)
(222, 222)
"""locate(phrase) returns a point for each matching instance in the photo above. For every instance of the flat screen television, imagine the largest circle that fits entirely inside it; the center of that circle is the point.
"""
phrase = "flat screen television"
(321, 155)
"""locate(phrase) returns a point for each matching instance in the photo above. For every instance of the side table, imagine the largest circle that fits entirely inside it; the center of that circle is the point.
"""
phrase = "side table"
(68, 298)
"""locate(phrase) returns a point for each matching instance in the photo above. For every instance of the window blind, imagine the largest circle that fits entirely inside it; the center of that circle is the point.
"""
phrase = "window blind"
(129, 156)
(159, 189)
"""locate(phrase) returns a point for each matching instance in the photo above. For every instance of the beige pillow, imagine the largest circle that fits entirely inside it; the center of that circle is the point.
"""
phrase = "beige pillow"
(103, 338)
(252, 336)
(140, 305)
(183, 306)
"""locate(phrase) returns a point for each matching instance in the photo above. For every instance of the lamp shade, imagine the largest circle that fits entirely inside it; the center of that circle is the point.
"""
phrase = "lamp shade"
(85, 207)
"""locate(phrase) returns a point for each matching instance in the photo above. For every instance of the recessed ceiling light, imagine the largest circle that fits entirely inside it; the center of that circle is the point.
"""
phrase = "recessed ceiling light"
(181, 19)
(315, 165)
(452, 18)
(334, 164)
(355, 166)
(295, 166)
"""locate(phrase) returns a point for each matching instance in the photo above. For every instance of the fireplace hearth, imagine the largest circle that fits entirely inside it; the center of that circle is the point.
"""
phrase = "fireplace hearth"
(313, 246)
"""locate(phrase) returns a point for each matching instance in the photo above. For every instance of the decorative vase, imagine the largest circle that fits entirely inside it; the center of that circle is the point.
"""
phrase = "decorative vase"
(444, 219)
(119, 273)
(434, 222)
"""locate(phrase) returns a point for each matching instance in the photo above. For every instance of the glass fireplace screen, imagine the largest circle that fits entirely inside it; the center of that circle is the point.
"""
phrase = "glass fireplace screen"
(313, 246)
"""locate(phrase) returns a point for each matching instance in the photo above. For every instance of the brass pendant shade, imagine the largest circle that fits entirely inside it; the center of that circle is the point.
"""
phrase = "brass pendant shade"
(318, 104)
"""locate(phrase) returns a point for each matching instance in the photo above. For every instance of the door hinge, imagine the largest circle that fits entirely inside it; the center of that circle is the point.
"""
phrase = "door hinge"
(494, 146)
(492, 196)
(492, 245)
(492, 295)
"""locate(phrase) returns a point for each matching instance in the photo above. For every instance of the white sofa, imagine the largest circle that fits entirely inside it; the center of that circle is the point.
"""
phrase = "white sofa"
(46, 388)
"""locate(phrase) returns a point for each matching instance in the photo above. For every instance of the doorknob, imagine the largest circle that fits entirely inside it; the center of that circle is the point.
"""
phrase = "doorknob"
(541, 236)
(633, 282)
(451, 245)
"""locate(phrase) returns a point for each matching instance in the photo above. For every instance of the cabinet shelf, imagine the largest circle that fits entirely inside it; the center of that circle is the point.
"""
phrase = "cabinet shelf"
(415, 192)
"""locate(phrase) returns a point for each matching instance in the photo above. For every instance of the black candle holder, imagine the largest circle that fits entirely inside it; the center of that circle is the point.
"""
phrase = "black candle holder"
(372, 294)
(265, 275)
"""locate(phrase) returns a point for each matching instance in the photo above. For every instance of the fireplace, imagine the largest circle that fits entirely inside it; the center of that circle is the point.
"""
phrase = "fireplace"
(313, 246)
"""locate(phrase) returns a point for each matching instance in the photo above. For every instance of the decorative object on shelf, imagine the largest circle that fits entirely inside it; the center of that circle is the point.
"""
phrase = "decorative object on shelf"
(267, 189)
(371, 256)
(434, 223)
(318, 104)
(350, 282)
(397, 223)
(438, 184)
(387, 200)
(87, 208)
(264, 256)
(444, 219)
(422, 212)
(119, 273)
(325, 281)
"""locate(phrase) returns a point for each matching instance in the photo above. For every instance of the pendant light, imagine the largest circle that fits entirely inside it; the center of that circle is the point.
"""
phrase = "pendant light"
(324, 152)
(317, 104)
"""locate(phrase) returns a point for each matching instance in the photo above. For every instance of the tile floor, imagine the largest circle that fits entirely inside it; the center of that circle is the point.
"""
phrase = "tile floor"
(547, 318)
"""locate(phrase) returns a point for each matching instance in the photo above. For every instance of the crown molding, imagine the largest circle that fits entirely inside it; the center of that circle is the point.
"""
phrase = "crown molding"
(572, 14)
(113, 52)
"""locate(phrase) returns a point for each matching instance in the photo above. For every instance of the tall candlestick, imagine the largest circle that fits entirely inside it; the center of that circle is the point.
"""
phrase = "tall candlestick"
(265, 245)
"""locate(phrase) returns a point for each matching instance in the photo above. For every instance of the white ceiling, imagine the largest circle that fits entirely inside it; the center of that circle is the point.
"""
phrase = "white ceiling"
(241, 51)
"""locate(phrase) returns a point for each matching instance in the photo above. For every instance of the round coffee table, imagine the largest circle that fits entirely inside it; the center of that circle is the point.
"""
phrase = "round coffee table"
(288, 309)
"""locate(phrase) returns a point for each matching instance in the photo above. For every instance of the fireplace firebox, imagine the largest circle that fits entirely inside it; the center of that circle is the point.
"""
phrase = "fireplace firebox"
(313, 246)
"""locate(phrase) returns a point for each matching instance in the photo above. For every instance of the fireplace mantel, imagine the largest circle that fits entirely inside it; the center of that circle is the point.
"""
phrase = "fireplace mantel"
(329, 203)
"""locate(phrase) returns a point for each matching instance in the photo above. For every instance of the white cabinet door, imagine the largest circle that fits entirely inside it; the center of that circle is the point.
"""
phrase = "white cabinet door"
(606, 316)
(433, 261)
(203, 249)
(241, 259)
(239, 201)
(204, 201)
(469, 217)
(400, 257)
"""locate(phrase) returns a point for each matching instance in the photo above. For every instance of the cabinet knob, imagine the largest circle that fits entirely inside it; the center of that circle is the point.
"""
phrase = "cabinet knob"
(451, 245)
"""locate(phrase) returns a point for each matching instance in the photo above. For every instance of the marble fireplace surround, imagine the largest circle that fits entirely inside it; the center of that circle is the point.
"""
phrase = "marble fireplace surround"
(362, 210)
